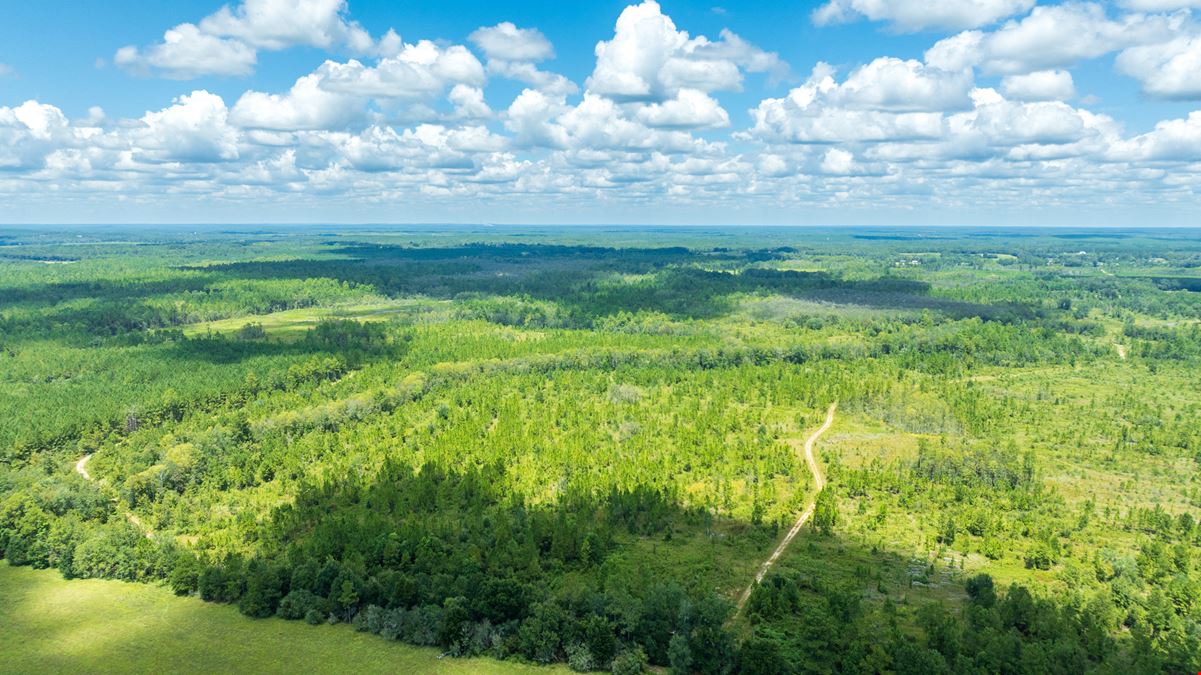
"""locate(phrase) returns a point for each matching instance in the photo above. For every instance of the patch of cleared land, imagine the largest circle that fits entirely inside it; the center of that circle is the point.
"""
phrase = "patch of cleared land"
(298, 320)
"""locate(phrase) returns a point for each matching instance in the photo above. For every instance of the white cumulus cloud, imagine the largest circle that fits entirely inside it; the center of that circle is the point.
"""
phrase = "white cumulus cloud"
(227, 42)
(469, 102)
(892, 84)
(305, 106)
(279, 24)
(837, 161)
(1170, 69)
(650, 59)
(1041, 85)
(886, 99)
(914, 15)
(514, 53)
(1159, 5)
(506, 42)
(1051, 36)
(418, 70)
(195, 128)
(690, 109)
(1171, 140)
(186, 53)
(43, 121)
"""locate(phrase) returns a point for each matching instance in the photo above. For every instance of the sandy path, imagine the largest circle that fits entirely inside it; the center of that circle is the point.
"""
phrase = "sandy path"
(820, 482)
(81, 468)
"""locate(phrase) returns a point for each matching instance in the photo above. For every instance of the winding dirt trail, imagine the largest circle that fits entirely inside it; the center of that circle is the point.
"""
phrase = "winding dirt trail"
(81, 468)
(820, 482)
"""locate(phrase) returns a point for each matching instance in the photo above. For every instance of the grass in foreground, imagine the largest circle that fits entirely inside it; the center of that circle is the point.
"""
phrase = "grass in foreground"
(51, 625)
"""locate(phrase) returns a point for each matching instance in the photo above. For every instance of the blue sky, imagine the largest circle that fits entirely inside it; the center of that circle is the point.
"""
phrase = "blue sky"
(840, 112)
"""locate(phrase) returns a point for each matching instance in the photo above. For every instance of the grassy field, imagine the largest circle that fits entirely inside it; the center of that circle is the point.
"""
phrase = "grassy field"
(293, 322)
(91, 626)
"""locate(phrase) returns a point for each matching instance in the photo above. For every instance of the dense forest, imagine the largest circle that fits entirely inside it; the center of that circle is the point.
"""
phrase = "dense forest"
(578, 445)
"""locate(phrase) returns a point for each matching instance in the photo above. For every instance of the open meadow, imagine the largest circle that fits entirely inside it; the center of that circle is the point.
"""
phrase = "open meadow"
(102, 626)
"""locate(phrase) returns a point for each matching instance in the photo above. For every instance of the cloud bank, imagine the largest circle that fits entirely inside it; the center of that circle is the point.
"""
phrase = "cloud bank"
(991, 116)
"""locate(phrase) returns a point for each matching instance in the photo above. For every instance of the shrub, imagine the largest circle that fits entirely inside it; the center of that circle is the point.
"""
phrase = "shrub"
(629, 662)
(980, 590)
(297, 605)
(579, 658)
(1040, 557)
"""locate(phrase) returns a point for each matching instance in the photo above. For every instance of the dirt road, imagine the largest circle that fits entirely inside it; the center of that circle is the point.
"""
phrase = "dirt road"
(81, 468)
(819, 482)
